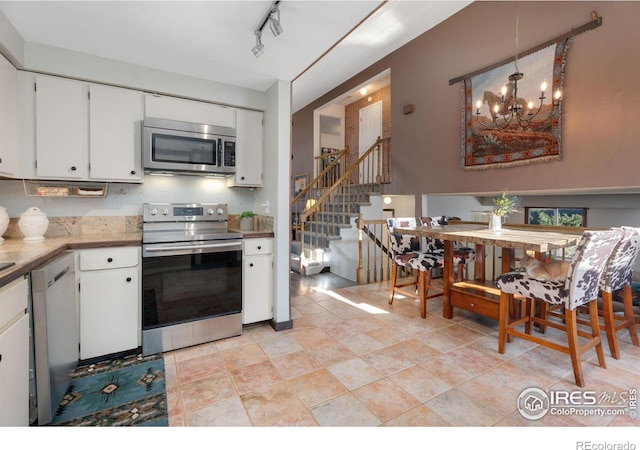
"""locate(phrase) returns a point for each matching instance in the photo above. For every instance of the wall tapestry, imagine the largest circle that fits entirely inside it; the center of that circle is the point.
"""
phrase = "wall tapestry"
(487, 146)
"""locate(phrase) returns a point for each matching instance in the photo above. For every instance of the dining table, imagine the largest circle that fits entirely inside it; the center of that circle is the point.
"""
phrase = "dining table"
(477, 294)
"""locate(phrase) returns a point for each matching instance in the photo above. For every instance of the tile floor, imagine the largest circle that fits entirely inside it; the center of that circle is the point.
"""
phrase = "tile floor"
(353, 360)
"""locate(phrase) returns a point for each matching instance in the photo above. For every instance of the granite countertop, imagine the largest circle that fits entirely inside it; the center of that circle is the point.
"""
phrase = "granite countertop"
(29, 255)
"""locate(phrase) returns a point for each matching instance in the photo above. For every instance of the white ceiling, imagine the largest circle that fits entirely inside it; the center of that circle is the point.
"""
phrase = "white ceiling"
(324, 43)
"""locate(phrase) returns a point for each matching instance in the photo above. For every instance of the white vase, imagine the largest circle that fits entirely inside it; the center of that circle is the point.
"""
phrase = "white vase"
(33, 224)
(4, 221)
(246, 224)
(495, 223)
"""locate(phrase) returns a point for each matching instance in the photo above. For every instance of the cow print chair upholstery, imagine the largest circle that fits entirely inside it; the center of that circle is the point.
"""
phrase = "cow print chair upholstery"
(406, 253)
(580, 288)
(617, 277)
(461, 255)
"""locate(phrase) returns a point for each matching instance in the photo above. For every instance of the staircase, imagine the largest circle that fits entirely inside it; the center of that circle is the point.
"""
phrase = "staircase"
(332, 202)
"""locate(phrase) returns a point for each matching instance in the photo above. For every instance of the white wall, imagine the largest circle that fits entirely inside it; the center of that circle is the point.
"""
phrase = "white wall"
(127, 199)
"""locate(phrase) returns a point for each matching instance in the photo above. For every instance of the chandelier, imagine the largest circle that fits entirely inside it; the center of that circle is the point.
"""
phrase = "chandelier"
(508, 108)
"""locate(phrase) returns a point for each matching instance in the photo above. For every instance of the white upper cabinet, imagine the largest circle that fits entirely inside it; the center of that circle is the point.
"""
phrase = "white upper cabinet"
(115, 117)
(61, 138)
(74, 130)
(249, 149)
(8, 119)
(189, 111)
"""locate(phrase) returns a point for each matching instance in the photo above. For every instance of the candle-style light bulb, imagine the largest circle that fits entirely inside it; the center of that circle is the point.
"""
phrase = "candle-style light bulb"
(530, 105)
(557, 95)
(543, 86)
(478, 104)
(496, 108)
(504, 90)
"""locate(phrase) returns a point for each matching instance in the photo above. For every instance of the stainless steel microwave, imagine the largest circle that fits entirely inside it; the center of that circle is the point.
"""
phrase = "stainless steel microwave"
(171, 146)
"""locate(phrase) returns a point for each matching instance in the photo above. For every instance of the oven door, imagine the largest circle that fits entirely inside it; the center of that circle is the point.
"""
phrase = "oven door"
(186, 282)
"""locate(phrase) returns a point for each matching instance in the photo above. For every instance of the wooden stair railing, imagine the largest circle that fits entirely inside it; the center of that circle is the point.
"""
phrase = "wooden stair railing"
(321, 210)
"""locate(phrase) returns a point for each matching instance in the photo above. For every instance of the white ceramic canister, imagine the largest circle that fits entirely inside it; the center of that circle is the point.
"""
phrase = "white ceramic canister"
(33, 224)
(4, 221)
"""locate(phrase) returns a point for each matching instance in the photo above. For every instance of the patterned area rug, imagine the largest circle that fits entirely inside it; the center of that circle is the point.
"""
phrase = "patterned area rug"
(127, 391)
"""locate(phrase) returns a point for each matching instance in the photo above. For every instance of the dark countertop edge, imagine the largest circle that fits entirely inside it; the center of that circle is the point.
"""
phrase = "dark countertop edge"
(256, 234)
(20, 270)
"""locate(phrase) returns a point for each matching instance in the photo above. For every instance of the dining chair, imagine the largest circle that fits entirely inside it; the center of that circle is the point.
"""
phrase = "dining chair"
(580, 288)
(617, 277)
(462, 256)
(406, 253)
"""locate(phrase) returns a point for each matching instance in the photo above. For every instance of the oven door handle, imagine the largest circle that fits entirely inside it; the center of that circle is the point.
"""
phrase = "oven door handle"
(221, 245)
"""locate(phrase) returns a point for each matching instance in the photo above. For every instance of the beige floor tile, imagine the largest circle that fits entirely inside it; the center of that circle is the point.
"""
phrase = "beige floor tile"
(344, 411)
(420, 383)
(295, 364)
(317, 387)
(354, 373)
(245, 355)
(388, 335)
(388, 361)
(280, 345)
(385, 399)
(330, 352)
(275, 402)
(458, 408)
(227, 413)
(361, 344)
(192, 369)
(255, 376)
(420, 416)
(205, 391)
(298, 419)
(341, 330)
(416, 350)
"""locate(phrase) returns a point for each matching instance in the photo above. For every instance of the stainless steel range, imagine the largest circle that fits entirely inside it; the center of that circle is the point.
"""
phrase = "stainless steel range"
(191, 276)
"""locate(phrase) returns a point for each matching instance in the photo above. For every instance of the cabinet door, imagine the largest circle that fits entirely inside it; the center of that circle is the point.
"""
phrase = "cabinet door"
(249, 148)
(257, 295)
(115, 117)
(189, 111)
(14, 374)
(8, 118)
(61, 128)
(109, 311)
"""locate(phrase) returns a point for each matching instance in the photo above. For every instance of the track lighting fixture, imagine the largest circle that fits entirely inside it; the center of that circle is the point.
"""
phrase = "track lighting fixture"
(273, 18)
(259, 48)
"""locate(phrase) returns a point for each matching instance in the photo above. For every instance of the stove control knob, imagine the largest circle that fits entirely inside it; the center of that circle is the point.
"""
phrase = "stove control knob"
(153, 211)
(165, 212)
(220, 211)
(210, 211)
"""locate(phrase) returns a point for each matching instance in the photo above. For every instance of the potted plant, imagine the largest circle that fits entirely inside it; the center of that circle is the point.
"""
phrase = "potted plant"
(503, 205)
(246, 220)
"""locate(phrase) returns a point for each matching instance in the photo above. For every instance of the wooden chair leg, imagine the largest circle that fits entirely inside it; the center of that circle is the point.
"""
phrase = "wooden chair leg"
(629, 315)
(503, 322)
(461, 271)
(572, 340)
(394, 276)
(609, 324)
(595, 331)
(424, 275)
(530, 311)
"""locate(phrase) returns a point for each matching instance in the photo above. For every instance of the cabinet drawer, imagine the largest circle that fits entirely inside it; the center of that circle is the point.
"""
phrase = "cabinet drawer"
(258, 246)
(109, 258)
(13, 300)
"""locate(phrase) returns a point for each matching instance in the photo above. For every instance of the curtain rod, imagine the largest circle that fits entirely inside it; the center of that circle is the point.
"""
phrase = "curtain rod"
(594, 23)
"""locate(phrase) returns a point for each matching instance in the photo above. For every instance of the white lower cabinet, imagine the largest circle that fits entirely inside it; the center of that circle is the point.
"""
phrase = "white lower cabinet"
(257, 280)
(110, 300)
(14, 354)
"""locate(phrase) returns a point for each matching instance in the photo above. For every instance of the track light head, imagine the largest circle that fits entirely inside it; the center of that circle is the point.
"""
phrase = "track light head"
(259, 48)
(274, 23)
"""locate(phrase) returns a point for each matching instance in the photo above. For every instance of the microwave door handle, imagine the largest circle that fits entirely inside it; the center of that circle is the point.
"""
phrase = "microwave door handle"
(220, 153)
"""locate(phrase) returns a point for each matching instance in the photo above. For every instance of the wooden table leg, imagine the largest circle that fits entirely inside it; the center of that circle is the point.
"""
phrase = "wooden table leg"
(447, 308)
(503, 320)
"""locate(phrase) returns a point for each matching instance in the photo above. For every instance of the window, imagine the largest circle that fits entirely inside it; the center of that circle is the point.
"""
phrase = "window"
(560, 217)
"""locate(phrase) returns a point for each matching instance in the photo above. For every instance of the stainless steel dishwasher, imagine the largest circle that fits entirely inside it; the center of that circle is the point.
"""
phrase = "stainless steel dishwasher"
(55, 327)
